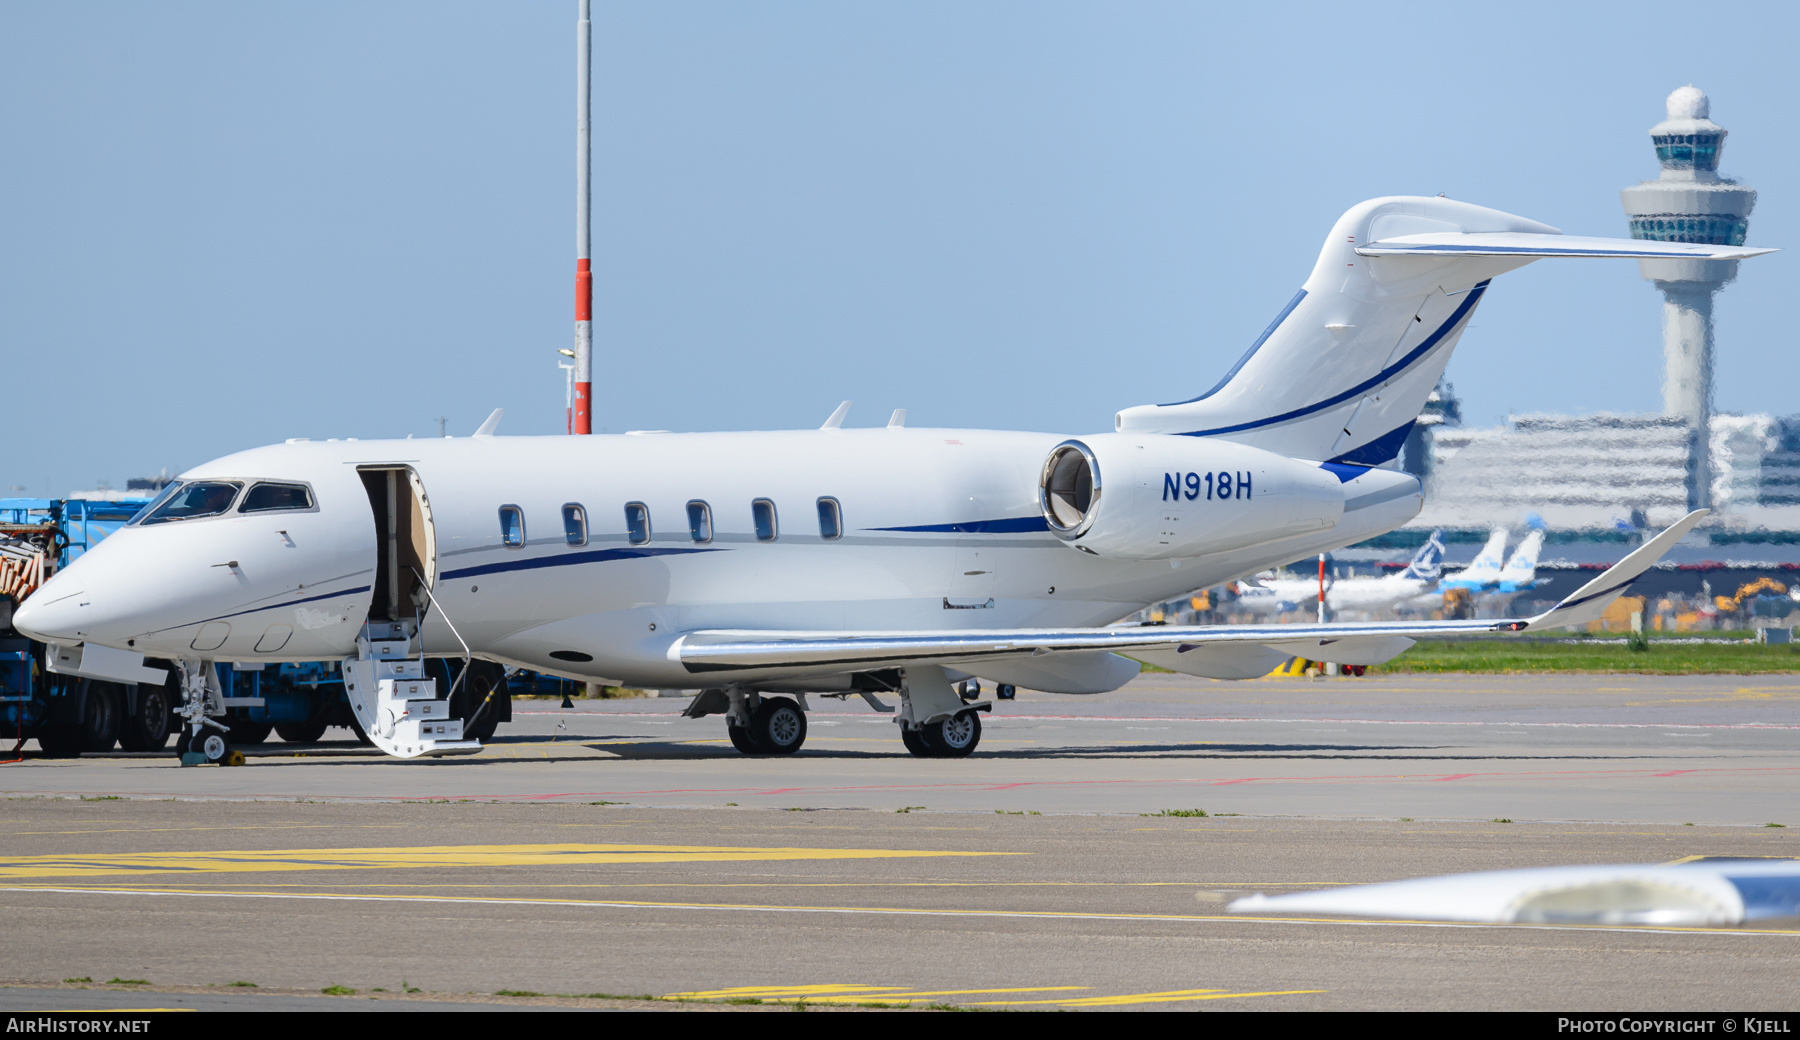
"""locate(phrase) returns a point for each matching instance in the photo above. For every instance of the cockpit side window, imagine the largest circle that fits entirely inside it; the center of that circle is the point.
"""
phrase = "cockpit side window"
(194, 500)
(156, 503)
(268, 497)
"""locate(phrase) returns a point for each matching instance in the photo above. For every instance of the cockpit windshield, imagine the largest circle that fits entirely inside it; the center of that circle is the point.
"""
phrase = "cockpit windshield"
(191, 501)
(155, 503)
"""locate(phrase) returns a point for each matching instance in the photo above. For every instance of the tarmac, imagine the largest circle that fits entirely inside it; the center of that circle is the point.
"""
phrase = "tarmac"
(613, 855)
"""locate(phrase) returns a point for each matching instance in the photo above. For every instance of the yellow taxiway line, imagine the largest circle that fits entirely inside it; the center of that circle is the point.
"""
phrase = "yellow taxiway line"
(430, 856)
(1050, 915)
(841, 993)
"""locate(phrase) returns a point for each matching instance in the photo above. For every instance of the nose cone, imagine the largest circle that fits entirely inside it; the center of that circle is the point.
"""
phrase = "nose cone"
(52, 614)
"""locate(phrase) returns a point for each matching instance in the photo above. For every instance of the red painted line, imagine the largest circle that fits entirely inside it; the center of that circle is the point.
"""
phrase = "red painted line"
(1453, 776)
(1675, 772)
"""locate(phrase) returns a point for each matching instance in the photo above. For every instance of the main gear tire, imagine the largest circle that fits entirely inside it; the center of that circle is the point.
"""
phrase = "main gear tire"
(954, 737)
(778, 726)
(741, 739)
(915, 743)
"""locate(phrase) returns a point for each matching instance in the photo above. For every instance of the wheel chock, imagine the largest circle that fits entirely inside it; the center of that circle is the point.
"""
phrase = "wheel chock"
(233, 757)
(192, 758)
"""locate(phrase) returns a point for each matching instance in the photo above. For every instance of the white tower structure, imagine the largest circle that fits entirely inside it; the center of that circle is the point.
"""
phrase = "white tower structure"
(1689, 203)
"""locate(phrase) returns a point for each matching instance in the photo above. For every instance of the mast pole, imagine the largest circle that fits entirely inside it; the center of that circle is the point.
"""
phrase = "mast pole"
(582, 420)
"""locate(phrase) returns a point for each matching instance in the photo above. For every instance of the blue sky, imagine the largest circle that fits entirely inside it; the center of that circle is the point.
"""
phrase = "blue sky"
(228, 224)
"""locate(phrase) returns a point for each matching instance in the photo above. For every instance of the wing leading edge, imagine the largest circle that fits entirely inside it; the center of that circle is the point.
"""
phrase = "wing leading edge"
(723, 653)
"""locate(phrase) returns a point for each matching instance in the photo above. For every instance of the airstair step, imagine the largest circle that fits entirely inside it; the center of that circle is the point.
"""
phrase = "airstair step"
(389, 649)
(408, 690)
(399, 669)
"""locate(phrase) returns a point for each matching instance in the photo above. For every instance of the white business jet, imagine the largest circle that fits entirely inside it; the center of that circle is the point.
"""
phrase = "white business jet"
(1285, 595)
(761, 568)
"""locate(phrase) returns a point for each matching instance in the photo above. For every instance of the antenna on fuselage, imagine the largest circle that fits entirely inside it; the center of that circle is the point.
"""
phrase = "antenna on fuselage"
(898, 419)
(493, 423)
(837, 418)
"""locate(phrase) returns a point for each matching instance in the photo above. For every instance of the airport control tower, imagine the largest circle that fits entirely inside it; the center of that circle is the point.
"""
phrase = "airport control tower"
(1689, 203)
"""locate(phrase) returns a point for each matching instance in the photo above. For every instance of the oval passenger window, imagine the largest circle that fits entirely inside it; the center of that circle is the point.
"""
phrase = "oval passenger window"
(512, 527)
(637, 523)
(575, 524)
(763, 512)
(699, 521)
(831, 519)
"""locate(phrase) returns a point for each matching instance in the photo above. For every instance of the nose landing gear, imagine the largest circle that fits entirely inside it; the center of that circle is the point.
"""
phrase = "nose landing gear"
(203, 739)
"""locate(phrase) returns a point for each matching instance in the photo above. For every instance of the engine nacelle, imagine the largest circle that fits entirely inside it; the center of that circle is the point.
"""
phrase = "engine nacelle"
(1167, 497)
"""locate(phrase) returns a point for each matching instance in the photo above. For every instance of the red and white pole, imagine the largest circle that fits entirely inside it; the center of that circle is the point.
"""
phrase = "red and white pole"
(1321, 588)
(582, 419)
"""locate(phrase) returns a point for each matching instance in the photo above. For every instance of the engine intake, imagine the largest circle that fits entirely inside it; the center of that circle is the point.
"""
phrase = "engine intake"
(1171, 497)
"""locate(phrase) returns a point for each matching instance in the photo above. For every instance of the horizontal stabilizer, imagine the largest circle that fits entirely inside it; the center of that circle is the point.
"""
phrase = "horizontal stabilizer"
(1521, 244)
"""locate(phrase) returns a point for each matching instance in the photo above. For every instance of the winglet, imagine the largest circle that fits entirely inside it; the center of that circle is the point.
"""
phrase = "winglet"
(837, 418)
(493, 423)
(1590, 601)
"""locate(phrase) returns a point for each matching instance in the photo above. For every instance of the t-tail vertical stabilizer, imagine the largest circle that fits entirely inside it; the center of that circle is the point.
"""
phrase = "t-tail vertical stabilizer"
(1484, 569)
(1520, 572)
(1343, 371)
(1428, 565)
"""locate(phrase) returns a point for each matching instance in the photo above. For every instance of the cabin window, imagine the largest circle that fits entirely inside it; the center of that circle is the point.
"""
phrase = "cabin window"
(195, 500)
(637, 523)
(699, 521)
(267, 498)
(762, 511)
(512, 527)
(831, 519)
(575, 524)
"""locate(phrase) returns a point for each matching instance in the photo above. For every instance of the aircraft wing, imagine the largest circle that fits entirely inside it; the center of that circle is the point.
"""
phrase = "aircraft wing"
(721, 653)
(1521, 244)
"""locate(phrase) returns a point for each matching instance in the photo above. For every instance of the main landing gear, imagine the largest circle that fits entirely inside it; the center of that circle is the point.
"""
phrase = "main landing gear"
(757, 725)
(954, 737)
(936, 719)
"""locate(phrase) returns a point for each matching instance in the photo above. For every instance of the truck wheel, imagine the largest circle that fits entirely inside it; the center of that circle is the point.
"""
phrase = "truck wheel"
(59, 741)
(302, 733)
(479, 713)
(148, 728)
(102, 715)
(246, 731)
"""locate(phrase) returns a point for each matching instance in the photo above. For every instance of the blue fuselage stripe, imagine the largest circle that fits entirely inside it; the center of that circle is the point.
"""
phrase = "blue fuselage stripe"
(1008, 525)
(567, 560)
